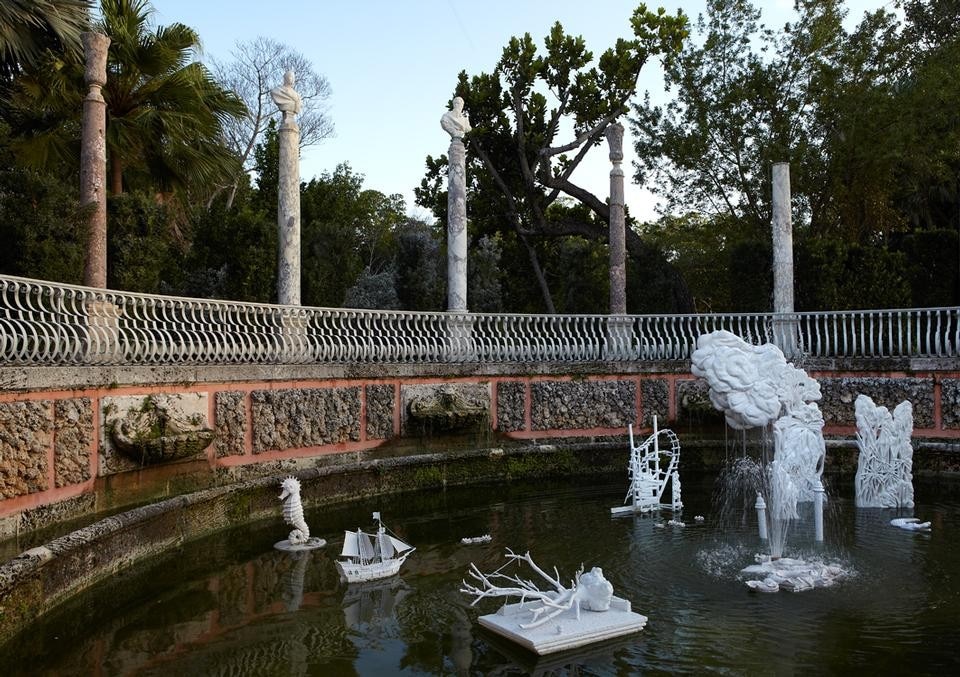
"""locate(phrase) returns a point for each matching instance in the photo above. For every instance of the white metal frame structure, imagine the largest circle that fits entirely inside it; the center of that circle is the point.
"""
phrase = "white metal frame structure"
(648, 479)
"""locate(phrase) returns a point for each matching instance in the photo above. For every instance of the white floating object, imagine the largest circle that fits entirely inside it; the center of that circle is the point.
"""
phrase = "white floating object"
(910, 524)
(698, 518)
(592, 627)
(486, 538)
(676, 523)
(368, 557)
(765, 585)
(792, 575)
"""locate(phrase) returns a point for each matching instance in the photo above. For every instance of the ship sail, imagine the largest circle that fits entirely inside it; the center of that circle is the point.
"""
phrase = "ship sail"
(399, 545)
(366, 546)
(386, 547)
(350, 545)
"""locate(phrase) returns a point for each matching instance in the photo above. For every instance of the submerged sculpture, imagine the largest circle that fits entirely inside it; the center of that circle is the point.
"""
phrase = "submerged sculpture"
(299, 538)
(550, 620)
(368, 557)
(648, 479)
(792, 575)
(885, 465)
(473, 540)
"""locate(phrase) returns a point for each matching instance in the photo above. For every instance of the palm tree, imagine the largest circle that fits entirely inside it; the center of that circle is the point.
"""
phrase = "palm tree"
(29, 27)
(165, 112)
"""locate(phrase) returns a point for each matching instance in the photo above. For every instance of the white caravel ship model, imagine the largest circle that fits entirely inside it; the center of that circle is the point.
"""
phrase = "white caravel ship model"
(368, 557)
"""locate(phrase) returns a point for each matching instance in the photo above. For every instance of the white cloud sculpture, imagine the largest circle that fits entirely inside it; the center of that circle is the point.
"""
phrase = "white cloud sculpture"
(755, 387)
(751, 385)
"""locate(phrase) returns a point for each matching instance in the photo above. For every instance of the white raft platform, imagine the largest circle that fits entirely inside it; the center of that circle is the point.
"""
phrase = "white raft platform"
(312, 544)
(565, 631)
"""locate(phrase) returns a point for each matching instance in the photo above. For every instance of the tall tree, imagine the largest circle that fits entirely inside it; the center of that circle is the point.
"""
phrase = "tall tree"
(520, 162)
(257, 67)
(740, 98)
(866, 119)
(166, 113)
(346, 229)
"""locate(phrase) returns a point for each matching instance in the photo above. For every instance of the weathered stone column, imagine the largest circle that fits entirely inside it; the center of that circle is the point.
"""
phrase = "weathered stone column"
(456, 123)
(288, 206)
(782, 224)
(457, 227)
(618, 270)
(93, 157)
(459, 327)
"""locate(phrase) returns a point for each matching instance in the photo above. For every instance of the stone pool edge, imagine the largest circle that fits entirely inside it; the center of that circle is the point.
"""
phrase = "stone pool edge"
(38, 580)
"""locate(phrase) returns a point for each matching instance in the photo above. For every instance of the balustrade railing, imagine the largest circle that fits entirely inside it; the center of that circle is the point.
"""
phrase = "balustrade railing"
(43, 323)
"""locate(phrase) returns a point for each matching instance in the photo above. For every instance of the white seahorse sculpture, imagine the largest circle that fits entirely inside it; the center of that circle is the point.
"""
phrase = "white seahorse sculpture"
(299, 538)
(293, 511)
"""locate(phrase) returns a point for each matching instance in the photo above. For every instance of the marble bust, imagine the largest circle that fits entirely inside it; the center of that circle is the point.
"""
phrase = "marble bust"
(455, 122)
(286, 97)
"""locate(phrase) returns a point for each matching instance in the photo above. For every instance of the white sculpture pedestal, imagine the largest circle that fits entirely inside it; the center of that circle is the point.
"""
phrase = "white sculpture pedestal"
(565, 631)
(312, 544)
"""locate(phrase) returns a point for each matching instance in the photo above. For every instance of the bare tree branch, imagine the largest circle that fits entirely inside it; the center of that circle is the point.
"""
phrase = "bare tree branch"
(257, 67)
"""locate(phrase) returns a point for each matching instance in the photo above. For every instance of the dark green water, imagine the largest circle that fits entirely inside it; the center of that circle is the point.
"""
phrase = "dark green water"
(232, 605)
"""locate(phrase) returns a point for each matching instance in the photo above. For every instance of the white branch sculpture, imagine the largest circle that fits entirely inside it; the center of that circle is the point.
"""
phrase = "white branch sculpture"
(589, 590)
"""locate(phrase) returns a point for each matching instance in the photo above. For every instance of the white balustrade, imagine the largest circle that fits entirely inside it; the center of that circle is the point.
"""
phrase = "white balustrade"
(45, 323)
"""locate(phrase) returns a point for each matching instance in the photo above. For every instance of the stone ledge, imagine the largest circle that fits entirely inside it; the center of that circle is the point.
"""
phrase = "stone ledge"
(72, 378)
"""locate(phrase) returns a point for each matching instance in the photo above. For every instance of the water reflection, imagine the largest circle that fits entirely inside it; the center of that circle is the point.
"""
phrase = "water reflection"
(234, 605)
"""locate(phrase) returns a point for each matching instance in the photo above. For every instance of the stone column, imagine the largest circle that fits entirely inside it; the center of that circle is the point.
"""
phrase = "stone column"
(457, 227)
(460, 346)
(456, 123)
(782, 224)
(93, 157)
(618, 270)
(288, 206)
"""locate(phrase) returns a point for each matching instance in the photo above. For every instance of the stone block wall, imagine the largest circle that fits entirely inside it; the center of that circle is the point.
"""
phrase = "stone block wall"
(297, 418)
(582, 405)
(839, 395)
(53, 448)
(26, 432)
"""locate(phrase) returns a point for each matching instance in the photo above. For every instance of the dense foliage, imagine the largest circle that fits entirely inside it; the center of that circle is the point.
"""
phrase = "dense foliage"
(867, 119)
(521, 165)
(866, 116)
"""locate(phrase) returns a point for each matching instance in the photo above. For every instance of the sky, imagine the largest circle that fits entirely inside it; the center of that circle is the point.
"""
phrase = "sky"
(393, 65)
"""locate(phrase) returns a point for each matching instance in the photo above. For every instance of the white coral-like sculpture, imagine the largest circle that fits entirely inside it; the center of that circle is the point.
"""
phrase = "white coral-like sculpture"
(885, 465)
(589, 590)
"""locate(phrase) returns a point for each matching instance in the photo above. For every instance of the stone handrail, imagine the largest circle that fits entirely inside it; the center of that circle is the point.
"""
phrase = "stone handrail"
(49, 324)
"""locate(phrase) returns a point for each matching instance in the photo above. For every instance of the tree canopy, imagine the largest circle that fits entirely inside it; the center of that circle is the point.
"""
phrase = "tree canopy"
(29, 28)
(867, 119)
(521, 159)
(165, 112)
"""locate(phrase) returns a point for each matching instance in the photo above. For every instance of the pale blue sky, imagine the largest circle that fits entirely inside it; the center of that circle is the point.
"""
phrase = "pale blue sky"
(393, 64)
